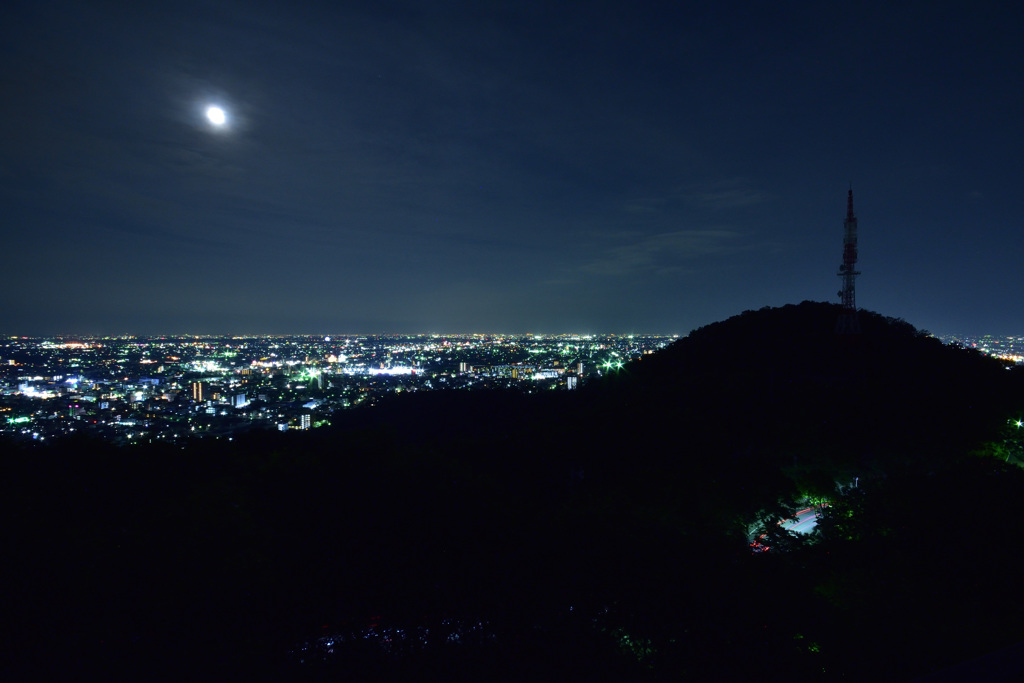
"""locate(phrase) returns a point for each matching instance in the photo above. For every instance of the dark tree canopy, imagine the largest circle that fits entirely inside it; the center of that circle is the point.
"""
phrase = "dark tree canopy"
(602, 534)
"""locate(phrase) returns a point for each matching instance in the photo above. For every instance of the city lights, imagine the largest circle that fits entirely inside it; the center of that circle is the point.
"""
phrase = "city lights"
(134, 390)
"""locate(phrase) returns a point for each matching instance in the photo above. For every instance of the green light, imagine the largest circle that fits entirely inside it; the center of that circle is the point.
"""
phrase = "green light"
(641, 648)
(18, 420)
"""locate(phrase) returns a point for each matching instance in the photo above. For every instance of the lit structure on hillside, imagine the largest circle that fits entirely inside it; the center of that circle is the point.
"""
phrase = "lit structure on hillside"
(847, 322)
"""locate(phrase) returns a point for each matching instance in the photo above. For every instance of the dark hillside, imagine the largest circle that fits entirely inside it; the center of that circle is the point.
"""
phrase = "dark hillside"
(781, 380)
(592, 535)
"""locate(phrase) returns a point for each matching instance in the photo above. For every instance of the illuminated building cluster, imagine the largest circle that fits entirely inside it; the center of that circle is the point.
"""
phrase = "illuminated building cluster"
(137, 389)
(1006, 348)
(394, 640)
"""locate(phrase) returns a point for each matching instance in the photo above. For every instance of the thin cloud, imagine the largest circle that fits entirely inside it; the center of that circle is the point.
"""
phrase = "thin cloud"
(663, 253)
(730, 194)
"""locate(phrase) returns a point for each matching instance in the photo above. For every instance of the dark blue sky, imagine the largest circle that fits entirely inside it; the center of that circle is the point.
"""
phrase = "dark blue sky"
(506, 167)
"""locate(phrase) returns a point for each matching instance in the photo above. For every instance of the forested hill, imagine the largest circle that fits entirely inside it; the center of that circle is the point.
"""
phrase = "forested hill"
(782, 382)
(599, 534)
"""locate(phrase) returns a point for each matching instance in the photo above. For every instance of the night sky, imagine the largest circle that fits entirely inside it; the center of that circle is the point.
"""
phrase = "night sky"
(505, 167)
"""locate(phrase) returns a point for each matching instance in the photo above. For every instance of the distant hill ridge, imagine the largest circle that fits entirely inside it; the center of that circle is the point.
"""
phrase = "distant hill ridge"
(782, 380)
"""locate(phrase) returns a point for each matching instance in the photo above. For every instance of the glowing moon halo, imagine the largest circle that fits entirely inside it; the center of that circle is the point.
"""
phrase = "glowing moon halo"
(216, 116)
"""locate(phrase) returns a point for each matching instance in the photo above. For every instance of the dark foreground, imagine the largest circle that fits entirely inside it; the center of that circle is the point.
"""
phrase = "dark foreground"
(601, 535)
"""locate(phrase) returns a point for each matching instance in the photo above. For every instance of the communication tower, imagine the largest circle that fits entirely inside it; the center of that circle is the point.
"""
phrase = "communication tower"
(848, 271)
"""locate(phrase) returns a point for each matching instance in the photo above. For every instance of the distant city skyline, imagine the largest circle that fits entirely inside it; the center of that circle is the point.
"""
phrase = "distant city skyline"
(138, 389)
(175, 389)
(401, 167)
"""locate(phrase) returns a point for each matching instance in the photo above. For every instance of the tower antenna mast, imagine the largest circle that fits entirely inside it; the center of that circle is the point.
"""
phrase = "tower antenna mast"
(848, 271)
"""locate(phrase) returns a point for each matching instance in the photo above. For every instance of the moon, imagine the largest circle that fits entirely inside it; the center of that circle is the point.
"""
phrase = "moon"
(216, 116)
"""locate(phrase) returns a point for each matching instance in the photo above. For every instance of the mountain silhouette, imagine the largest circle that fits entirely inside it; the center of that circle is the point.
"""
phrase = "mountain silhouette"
(599, 534)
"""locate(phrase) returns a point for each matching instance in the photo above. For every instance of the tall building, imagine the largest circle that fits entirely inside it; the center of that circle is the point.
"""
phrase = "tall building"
(198, 390)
